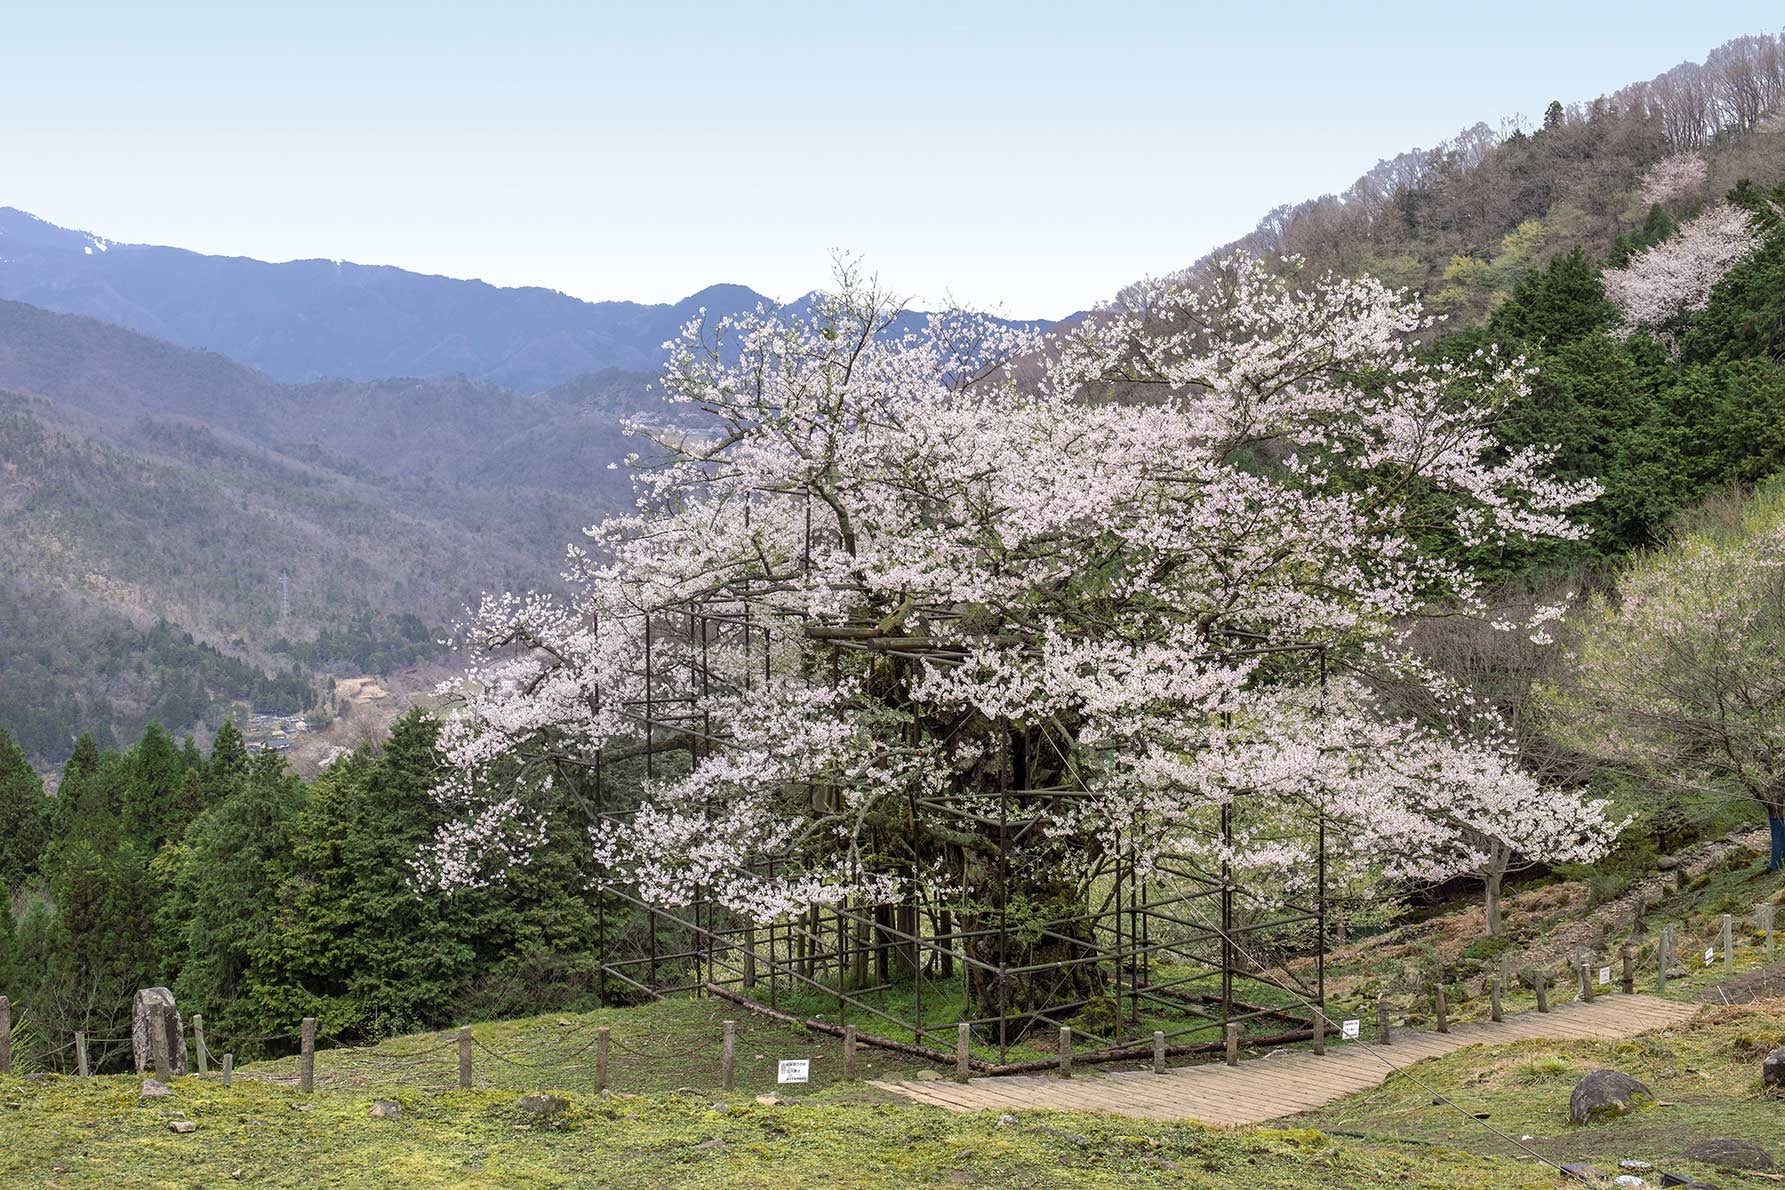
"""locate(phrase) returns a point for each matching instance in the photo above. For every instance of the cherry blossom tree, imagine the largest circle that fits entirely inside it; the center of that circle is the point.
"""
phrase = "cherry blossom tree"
(1673, 180)
(1674, 279)
(1679, 678)
(964, 612)
(1483, 682)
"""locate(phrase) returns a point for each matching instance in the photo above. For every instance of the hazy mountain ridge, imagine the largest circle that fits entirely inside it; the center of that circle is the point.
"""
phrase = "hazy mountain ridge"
(307, 320)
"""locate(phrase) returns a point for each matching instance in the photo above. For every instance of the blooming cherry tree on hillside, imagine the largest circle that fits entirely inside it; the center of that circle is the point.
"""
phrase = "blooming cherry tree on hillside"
(922, 612)
(1674, 279)
(1674, 179)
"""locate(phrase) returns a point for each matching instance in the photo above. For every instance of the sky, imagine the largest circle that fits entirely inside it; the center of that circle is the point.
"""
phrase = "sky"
(1028, 157)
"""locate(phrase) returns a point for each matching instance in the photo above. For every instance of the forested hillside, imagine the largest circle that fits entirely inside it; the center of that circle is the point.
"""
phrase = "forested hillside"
(1461, 222)
(128, 533)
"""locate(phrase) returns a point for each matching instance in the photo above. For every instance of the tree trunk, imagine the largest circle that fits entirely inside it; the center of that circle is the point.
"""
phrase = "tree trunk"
(1493, 879)
(1775, 821)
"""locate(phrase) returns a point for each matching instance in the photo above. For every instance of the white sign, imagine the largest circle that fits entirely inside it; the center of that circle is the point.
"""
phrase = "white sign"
(1710, 955)
(793, 1070)
(1349, 1030)
(1604, 976)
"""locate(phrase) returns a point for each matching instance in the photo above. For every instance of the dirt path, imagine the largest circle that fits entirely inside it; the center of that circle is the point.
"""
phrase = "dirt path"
(1287, 1082)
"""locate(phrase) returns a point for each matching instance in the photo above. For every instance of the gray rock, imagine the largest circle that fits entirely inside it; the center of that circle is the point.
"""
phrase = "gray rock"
(154, 1089)
(1729, 1152)
(1631, 1166)
(183, 1127)
(1772, 1071)
(546, 1107)
(386, 1109)
(1604, 1094)
(174, 1027)
(926, 1076)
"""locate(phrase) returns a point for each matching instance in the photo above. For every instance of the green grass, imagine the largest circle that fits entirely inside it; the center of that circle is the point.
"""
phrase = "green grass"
(1705, 1074)
(94, 1132)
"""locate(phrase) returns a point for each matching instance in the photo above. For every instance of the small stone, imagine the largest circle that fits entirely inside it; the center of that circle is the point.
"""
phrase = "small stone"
(386, 1109)
(1006, 1120)
(546, 1107)
(1630, 1165)
(1729, 1153)
(183, 1127)
(926, 1076)
(1603, 1095)
(155, 1089)
(769, 1100)
(1772, 1070)
(721, 1108)
(1628, 1179)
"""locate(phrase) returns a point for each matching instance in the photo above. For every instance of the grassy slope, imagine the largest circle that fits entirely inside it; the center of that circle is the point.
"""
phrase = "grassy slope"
(660, 1127)
(96, 1133)
(67, 1132)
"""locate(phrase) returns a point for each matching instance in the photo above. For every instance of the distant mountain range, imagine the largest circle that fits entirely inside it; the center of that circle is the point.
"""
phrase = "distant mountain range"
(323, 319)
(308, 320)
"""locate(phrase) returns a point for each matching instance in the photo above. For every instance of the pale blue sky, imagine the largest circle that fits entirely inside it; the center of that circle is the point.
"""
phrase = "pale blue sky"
(1032, 156)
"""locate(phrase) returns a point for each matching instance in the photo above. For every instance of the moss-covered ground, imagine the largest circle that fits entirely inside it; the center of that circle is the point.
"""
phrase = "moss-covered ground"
(95, 1132)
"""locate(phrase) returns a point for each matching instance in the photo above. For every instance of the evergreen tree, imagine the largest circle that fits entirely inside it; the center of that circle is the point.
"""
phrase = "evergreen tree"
(152, 793)
(88, 798)
(356, 943)
(227, 767)
(24, 817)
(222, 883)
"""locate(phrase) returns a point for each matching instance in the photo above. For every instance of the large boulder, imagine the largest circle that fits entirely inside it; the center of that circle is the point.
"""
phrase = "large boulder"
(173, 1028)
(1604, 1094)
(1729, 1153)
(1772, 1071)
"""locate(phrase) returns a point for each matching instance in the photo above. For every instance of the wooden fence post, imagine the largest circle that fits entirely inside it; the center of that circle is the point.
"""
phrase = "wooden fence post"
(464, 1057)
(1441, 1002)
(1627, 973)
(1728, 933)
(1065, 1051)
(1158, 1051)
(601, 1059)
(158, 1040)
(81, 1066)
(963, 1042)
(1319, 1031)
(5, 1035)
(307, 1056)
(1542, 981)
(849, 1052)
(1663, 957)
(198, 1043)
(229, 1069)
(1382, 1037)
(1232, 1037)
(728, 1060)
(1586, 982)
(1496, 1012)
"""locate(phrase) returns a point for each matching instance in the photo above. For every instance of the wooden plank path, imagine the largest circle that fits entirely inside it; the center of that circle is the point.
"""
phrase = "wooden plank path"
(1292, 1081)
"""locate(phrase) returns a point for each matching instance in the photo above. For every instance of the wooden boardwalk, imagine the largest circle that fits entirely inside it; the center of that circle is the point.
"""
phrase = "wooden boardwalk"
(1267, 1088)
